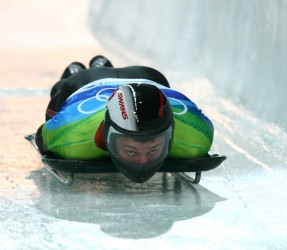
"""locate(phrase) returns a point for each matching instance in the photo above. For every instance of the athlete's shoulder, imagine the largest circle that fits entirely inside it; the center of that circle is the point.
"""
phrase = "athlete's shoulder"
(176, 97)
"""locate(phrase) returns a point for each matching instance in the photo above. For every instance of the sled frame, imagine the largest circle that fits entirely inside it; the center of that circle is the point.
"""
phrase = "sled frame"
(64, 170)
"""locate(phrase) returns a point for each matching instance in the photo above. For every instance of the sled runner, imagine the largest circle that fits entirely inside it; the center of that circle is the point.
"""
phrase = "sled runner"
(64, 170)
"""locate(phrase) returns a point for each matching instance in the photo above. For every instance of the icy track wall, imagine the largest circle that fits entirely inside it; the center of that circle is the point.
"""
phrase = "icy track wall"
(240, 46)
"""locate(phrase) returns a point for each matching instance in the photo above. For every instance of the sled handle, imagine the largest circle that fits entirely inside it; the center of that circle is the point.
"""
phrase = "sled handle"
(66, 180)
(188, 178)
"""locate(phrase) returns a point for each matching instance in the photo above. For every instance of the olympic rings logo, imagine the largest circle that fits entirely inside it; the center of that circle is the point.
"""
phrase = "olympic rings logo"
(184, 107)
(99, 97)
(104, 97)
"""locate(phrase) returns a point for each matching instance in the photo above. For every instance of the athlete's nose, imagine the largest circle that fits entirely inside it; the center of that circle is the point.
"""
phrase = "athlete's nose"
(142, 158)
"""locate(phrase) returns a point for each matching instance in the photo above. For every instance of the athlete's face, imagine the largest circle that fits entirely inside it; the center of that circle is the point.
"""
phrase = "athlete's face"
(137, 152)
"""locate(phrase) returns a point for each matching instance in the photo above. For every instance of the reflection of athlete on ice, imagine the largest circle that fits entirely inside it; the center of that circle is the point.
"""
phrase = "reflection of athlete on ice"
(129, 114)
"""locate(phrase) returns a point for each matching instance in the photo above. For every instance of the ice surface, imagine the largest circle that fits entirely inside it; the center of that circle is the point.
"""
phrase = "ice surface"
(240, 205)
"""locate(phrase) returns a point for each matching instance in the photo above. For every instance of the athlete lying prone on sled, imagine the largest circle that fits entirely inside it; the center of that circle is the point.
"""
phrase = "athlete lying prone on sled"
(129, 114)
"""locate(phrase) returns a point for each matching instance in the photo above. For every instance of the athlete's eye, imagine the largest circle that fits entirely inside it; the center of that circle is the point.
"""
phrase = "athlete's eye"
(131, 153)
(153, 151)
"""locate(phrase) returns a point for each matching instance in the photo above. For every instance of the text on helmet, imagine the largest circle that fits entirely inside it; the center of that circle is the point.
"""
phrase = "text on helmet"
(122, 106)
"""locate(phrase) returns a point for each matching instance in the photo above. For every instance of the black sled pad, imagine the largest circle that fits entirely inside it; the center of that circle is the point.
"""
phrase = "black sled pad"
(105, 165)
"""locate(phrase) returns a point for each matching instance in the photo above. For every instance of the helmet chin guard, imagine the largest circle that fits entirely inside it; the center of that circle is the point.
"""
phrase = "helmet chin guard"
(138, 130)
